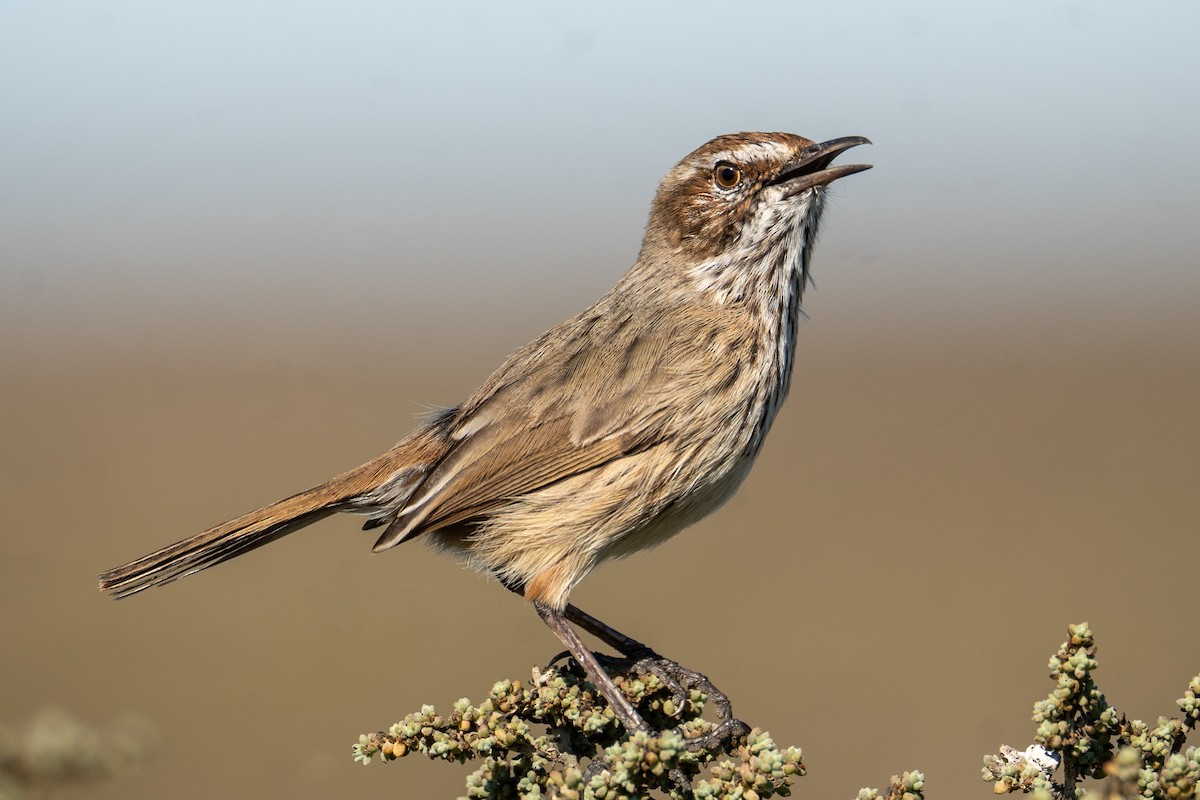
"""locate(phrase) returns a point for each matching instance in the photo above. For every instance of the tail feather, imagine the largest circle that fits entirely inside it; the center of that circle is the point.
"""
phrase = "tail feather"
(218, 544)
(378, 487)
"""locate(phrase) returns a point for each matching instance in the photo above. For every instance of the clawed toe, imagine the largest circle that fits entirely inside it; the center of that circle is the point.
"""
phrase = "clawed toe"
(640, 661)
(680, 682)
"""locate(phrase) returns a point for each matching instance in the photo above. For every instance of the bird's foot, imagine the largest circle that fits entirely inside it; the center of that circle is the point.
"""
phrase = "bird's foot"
(680, 682)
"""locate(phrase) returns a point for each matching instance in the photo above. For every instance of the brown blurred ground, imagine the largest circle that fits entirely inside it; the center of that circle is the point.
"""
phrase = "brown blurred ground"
(934, 506)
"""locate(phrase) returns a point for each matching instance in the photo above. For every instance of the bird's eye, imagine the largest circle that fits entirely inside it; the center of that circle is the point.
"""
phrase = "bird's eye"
(726, 175)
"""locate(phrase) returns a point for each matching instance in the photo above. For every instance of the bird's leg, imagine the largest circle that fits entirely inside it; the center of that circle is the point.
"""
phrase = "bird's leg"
(625, 645)
(641, 659)
(557, 622)
(621, 705)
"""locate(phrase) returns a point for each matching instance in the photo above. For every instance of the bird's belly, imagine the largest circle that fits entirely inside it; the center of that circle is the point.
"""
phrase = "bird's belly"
(680, 514)
(549, 540)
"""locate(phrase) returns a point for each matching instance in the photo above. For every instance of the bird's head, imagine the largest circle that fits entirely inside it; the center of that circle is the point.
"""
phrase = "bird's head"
(743, 192)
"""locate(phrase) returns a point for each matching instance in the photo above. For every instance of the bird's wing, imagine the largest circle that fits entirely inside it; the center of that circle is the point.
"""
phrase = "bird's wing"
(594, 390)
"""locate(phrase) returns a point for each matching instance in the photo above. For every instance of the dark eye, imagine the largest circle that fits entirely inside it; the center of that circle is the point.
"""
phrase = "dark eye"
(727, 175)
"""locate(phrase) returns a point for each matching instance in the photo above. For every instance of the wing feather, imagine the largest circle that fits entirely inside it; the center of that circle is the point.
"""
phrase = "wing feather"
(597, 389)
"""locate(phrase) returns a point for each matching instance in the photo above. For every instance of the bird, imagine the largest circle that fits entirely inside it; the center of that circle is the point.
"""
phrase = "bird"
(615, 429)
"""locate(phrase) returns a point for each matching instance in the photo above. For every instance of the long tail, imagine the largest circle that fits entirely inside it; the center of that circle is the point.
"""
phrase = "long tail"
(378, 487)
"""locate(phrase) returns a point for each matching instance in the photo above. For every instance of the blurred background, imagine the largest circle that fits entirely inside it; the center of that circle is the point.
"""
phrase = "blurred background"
(244, 245)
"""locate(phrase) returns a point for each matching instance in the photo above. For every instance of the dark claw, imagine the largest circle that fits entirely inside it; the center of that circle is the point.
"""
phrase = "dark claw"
(559, 657)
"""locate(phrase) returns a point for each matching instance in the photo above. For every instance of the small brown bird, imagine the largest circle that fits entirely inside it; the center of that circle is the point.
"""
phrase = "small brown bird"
(612, 431)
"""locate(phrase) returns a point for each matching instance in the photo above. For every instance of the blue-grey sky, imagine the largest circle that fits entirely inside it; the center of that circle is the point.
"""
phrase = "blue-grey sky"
(193, 159)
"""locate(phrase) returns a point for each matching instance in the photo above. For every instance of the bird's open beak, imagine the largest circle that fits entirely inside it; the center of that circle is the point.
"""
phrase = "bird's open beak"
(811, 167)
